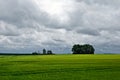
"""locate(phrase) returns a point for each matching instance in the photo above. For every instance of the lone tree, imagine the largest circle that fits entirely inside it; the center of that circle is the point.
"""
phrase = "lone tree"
(83, 49)
(44, 51)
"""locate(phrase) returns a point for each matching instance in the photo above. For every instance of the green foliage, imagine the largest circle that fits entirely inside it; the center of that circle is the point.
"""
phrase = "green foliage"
(35, 53)
(83, 49)
(60, 67)
(49, 52)
(44, 51)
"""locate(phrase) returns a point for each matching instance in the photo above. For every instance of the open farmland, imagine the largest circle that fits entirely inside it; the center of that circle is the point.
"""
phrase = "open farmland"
(60, 67)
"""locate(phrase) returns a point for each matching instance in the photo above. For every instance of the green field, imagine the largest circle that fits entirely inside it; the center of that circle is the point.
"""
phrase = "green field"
(60, 67)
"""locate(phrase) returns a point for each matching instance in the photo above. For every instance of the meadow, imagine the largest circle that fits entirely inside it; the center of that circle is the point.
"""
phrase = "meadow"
(60, 67)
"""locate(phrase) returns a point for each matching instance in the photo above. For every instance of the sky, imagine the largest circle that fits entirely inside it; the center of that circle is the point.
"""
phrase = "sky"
(31, 25)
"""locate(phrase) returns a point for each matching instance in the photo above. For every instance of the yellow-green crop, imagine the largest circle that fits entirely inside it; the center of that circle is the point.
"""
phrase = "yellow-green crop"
(60, 67)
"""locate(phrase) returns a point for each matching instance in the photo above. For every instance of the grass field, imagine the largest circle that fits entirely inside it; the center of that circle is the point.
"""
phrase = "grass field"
(60, 67)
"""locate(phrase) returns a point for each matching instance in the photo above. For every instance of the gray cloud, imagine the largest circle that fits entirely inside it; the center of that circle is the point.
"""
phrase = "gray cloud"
(89, 32)
(32, 24)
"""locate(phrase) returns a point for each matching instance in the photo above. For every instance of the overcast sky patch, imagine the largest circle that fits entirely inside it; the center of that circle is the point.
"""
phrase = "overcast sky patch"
(29, 25)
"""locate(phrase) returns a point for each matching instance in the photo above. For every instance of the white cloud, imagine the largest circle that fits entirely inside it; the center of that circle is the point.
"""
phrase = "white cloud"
(29, 25)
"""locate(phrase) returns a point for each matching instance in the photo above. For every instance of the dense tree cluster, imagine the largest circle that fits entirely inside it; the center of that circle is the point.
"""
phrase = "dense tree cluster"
(83, 49)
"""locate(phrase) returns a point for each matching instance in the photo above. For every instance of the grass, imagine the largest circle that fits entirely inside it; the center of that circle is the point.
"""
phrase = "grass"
(60, 67)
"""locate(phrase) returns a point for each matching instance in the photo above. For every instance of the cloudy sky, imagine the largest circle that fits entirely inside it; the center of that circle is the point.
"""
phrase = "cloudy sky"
(31, 25)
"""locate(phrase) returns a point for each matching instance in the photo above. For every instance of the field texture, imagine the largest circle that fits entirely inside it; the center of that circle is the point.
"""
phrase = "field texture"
(60, 67)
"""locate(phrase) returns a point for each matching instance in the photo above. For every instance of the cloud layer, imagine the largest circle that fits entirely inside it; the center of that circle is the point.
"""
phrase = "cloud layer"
(29, 25)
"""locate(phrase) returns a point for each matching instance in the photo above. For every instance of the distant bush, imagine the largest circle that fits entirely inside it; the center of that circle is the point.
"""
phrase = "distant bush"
(49, 52)
(35, 53)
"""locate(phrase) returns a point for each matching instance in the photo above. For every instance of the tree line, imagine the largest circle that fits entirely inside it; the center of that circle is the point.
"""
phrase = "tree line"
(45, 52)
(76, 49)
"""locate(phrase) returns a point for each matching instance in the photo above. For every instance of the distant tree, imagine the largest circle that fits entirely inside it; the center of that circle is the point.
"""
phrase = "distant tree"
(35, 53)
(83, 49)
(76, 49)
(49, 52)
(88, 49)
(44, 51)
